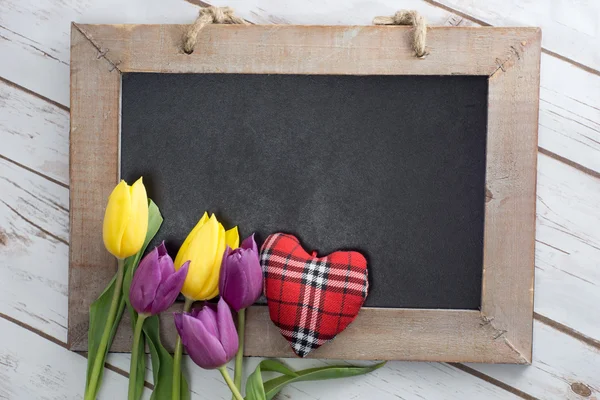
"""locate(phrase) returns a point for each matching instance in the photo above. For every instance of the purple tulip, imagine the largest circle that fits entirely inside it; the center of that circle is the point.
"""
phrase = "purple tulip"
(156, 284)
(241, 278)
(208, 334)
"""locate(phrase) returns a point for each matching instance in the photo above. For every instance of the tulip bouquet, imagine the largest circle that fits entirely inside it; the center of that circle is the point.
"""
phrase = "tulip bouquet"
(210, 262)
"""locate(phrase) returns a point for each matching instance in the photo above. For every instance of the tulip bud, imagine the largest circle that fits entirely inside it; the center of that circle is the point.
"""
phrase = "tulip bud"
(241, 279)
(156, 284)
(126, 219)
(204, 248)
(208, 334)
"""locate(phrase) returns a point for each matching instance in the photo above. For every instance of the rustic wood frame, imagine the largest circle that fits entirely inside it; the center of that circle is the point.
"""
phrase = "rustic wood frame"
(501, 332)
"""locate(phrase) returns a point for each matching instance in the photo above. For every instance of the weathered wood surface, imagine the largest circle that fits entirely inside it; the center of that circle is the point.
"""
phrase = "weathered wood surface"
(34, 209)
(93, 172)
(509, 230)
(338, 50)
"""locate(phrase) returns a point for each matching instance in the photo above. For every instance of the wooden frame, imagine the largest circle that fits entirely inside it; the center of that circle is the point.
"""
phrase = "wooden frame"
(500, 332)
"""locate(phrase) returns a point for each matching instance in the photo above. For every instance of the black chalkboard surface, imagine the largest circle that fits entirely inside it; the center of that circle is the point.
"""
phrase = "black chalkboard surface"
(393, 166)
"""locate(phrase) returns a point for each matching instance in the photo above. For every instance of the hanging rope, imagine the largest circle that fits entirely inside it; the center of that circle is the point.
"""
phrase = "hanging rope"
(207, 16)
(224, 15)
(409, 17)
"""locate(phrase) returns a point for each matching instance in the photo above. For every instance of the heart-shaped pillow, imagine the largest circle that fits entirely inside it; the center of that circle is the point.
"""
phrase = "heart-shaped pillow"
(311, 299)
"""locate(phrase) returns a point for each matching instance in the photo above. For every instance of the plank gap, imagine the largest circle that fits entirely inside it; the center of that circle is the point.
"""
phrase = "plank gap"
(570, 163)
(35, 94)
(567, 330)
(33, 171)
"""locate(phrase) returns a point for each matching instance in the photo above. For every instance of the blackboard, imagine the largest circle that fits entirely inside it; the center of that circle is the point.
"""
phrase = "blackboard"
(393, 166)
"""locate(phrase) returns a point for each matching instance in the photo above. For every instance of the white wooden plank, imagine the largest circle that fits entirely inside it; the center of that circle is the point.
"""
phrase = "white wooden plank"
(330, 12)
(569, 123)
(560, 365)
(567, 276)
(35, 133)
(570, 27)
(28, 63)
(33, 247)
(35, 33)
(32, 367)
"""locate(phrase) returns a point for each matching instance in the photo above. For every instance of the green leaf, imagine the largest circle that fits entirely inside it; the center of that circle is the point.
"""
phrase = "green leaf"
(276, 366)
(98, 315)
(155, 220)
(254, 385)
(162, 364)
(273, 386)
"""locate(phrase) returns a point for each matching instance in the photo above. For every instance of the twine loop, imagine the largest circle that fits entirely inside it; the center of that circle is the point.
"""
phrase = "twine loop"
(207, 16)
(409, 17)
(224, 15)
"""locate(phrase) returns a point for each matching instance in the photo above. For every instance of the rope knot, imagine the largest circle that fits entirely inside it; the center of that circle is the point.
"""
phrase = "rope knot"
(217, 15)
(206, 16)
(408, 17)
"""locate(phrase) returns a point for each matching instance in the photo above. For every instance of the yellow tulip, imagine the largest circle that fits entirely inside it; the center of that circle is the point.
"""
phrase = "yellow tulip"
(204, 248)
(126, 219)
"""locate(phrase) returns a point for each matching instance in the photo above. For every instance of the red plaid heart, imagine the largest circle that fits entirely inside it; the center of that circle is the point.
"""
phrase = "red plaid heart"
(311, 299)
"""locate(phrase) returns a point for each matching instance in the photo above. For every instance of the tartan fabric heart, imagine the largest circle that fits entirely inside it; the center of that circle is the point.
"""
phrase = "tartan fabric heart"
(311, 299)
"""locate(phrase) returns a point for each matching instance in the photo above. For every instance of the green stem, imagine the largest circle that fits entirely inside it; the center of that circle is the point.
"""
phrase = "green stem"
(236, 393)
(239, 357)
(137, 334)
(110, 320)
(176, 394)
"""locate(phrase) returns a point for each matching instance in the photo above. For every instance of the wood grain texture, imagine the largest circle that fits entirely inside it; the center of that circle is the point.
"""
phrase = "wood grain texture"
(509, 230)
(33, 222)
(32, 367)
(568, 246)
(559, 362)
(287, 49)
(35, 34)
(394, 334)
(569, 123)
(94, 169)
(35, 133)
